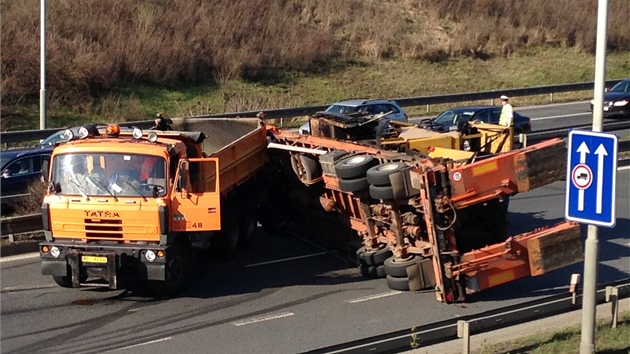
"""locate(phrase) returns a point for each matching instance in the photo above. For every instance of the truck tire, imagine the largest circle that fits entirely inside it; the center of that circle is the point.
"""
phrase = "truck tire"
(247, 229)
(177, 273)
(354, 166)
(398, 283)
(381, 192)
(305, 167)
(65, 281)
(398, 268)
(353, 185)
(227, 240)
(373, 258)
(379, 174)
(373, 272)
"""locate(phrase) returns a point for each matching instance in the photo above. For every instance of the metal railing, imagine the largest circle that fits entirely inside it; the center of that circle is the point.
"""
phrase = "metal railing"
(28, 135)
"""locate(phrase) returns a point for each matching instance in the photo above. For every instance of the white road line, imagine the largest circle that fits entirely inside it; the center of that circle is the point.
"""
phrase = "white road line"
(19, 257)
(141, 344)
(372, 297)
(622, 168)
(563, 116)
(287, 259)
(262, 319)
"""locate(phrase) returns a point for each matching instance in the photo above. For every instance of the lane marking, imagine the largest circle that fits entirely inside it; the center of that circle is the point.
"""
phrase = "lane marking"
(262, 319)
(563, 116)
(287, 259)
(141, 344)
(372, 297)
(19, 257)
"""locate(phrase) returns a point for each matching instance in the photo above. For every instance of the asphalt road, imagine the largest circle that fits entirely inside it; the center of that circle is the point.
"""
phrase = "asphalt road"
(283, 295)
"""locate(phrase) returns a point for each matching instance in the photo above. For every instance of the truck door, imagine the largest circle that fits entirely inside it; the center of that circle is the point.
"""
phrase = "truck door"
(196, 196)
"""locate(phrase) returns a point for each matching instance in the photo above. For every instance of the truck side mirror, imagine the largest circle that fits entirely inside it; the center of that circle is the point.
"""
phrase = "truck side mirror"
(182, 178)
(45, 170)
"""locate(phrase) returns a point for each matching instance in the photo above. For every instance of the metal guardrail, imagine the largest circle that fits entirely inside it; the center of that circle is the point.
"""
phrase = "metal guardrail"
(27, 135)
(446, 330)
(20, 224)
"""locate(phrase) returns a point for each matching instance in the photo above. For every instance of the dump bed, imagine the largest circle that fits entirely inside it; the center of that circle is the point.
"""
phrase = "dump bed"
(238, 143)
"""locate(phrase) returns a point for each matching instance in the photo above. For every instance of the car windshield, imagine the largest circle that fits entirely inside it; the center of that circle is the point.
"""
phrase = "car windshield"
(623, 86)
(4, 160)
(53, 139)
(451, 117)
(109, 174)
(337, 108)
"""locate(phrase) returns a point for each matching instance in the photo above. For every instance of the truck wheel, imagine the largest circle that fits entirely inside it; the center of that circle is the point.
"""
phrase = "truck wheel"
(63, 281)
(398, 267)
(398, 283)
(381, 192)
(373, 272)
(247, 229)
(379, 174)
(177, 273)
(227, 239)
(373, 258)
(354, 166)
(353, 185)
(305, 167)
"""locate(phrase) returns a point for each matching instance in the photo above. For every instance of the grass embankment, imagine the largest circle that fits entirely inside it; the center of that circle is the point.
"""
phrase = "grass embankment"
(129, 60)
(608, 340)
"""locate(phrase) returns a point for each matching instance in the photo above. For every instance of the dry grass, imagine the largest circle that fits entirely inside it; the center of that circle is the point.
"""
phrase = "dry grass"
(198, 57)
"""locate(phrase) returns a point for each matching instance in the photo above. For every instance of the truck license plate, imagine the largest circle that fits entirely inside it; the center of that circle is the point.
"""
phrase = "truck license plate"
(93, 259)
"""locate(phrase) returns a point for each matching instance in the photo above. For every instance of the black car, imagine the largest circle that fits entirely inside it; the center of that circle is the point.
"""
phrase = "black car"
(617, 100)
(451, 119)
(18, 168)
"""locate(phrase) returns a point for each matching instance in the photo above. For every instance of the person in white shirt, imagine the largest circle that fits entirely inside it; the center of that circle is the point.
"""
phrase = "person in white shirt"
(507, 113)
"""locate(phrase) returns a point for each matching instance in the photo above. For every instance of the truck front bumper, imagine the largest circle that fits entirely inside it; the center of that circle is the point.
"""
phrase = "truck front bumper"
(112, 263)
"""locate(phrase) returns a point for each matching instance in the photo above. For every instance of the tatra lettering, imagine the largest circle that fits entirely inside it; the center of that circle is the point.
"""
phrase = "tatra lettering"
(101, 214)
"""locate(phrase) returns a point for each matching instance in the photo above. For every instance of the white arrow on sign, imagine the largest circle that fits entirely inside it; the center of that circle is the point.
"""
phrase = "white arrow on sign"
(601, 153)
(583, 150)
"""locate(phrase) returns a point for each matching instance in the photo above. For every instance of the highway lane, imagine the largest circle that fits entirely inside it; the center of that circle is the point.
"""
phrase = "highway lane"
(282, 296)
(554, 116)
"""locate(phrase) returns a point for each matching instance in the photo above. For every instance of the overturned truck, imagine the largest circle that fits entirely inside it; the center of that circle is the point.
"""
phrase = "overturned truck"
(429, 222)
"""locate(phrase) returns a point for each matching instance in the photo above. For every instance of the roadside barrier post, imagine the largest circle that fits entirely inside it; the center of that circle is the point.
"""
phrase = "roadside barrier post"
(612, 296)
(575, 280)
(463, 331)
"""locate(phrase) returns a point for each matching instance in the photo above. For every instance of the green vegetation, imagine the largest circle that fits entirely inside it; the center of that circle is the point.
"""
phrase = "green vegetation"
(128, 60)
(608, 340)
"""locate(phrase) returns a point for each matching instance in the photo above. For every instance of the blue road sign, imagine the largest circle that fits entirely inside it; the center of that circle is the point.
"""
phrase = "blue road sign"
(591, 178)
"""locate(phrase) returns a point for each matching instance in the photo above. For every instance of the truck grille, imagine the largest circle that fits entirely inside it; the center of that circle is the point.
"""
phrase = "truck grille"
(99, 228)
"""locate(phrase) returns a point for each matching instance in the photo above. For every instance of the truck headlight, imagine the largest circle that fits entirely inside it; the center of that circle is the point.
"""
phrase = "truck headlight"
(149, 255)
(55, 252)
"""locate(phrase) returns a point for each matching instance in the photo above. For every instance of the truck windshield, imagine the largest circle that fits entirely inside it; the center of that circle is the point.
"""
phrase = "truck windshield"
(109, 174)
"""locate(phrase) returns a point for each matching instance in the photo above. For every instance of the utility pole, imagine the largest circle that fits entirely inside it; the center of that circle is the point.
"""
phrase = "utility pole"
(42, 80)
(587, 343)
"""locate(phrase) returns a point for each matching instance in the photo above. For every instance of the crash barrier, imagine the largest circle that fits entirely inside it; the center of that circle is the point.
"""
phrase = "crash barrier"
(20, 224)
(26, 135)
(447, 330)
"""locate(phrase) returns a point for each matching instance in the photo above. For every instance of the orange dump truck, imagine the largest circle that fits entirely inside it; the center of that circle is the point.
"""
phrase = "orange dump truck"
(126, 204)
(427, 222)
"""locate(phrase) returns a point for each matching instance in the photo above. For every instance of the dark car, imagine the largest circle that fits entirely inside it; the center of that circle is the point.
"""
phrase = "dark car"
(617, 100)
(363, 107)
(451, 119)
(19, 168)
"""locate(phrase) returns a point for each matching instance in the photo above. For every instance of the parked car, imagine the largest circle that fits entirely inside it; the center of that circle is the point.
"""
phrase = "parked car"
(19, 168)
(363, 107)
(617, 100)
(450, 119)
